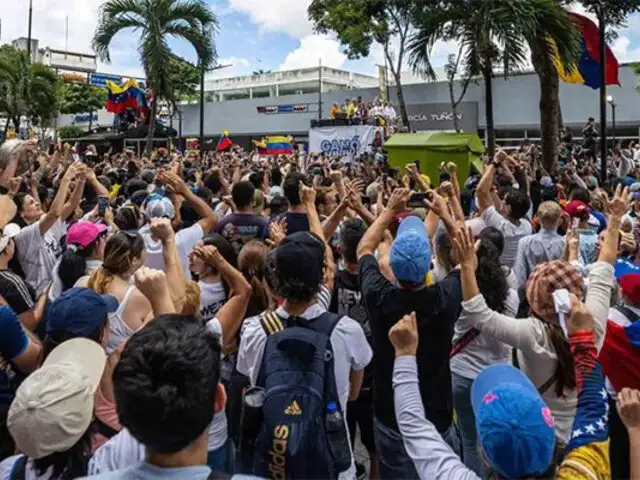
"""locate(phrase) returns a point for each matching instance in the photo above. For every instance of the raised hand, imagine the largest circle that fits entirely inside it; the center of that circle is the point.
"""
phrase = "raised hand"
(161, 228)
(398, 201)
(436, 203)
(628, 406)
(465, 248)
(307, 195)
(580, 318)
(277, 231)
(619, 204)
(404, 336)
(150, 282)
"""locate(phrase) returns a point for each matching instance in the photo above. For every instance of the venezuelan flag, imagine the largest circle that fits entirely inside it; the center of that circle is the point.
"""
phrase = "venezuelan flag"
(225, 142)
(121, 97)
(587, 70)
(279, 145)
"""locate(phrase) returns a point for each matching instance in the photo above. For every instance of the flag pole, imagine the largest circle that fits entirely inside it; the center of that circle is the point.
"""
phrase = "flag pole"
(603, 97)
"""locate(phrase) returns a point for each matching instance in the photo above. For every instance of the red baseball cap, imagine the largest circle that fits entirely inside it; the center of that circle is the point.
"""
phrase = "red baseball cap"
(630, 287)
(576, 208)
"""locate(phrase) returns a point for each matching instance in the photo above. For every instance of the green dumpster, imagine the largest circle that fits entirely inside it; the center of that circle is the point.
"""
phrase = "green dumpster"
(431, 149)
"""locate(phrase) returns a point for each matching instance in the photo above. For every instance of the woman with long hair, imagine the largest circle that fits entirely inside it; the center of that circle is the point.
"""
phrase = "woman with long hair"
(473, 350)
(543, 351)
(84, 252)
(214, 289)
(124, 253)
(38, 244)
(251, 264)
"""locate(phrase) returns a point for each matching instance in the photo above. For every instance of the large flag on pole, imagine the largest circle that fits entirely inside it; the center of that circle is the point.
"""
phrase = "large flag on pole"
(587, 69)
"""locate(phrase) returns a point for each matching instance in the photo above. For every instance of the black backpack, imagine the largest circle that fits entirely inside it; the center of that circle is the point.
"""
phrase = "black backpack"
(303, 433)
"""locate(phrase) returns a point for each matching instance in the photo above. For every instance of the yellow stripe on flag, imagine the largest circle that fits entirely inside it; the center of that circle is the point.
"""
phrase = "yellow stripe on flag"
(567, 74)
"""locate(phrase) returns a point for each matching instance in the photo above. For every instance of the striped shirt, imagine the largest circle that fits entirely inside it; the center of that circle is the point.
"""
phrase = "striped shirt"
(512, 233)
(20, 296)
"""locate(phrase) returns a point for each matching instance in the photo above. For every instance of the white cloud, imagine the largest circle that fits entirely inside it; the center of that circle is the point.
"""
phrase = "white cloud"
(237, 66)
(277, 15)
(313, 48)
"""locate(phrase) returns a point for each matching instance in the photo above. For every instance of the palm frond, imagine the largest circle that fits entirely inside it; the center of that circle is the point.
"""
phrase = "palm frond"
(202, 41)
(194, 12)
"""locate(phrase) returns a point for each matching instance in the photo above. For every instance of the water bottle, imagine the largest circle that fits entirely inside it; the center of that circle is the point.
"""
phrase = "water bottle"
(337, 437)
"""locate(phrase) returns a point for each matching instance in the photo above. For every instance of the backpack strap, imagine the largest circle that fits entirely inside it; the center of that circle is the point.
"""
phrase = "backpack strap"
(271, 323)
(463, 341)
(104, 429)
(544, 388)
(627, 312)
(19, 470)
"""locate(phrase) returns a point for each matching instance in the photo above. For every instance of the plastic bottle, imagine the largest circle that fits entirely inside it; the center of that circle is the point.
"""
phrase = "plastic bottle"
(337, 437)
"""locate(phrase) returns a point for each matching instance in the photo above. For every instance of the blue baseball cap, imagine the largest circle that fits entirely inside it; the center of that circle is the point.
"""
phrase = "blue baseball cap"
(515, 427)
(410, 256)
(79, 311)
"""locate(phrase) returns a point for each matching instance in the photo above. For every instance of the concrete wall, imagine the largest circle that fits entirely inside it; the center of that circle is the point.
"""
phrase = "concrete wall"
(516, 105)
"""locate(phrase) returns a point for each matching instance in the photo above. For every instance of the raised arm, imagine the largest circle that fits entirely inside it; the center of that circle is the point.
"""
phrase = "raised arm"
(161, 229)
(153, 285)
(373, 235)
(76, 196)
(57, 206)
(233, 311)
(483, 190)
(209, 218)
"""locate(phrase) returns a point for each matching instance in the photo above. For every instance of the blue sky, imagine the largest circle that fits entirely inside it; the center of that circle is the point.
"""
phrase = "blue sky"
(254, 34)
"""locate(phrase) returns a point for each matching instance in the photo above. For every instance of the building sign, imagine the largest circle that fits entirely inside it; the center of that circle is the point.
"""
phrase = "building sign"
(100, 79)
(85, 117)
(291, 108)
(342, 141)
(438, 116)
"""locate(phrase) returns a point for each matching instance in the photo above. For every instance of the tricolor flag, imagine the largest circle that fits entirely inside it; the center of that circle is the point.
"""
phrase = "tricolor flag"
(225, 142)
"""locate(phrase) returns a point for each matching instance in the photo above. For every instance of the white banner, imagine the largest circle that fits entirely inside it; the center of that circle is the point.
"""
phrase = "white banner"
(343, 141)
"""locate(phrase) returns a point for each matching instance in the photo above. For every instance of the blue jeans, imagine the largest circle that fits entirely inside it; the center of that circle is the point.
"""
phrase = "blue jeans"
(395, 463)
(466, 423)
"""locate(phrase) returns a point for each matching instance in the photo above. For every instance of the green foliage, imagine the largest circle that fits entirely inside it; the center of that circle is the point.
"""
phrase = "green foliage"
(25, 88)
(81, 98)
(616, 11)
(185, 79)
(70, 131)
(155, 21)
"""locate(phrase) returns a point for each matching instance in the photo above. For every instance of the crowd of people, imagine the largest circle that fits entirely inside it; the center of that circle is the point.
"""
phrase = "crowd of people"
(220, 315)
(358, 112)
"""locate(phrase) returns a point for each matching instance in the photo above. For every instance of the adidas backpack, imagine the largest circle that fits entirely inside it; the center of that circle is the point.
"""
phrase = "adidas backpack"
(303, 433)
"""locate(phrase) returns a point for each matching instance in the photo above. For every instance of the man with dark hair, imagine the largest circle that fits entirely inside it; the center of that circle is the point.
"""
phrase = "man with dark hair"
(296, 216)
(347, 300)
(294, 272)
(243, 225)
(510, 217)
(167, 392)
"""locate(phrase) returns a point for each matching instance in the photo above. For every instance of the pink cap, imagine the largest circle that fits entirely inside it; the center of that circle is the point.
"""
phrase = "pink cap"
(84, 233)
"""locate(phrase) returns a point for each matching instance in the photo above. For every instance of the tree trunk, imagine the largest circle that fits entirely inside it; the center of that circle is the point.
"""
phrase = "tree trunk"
(487, 73)
(90, 121)
(549, 107)
(152, 126)
(401, 103)
(454, 106)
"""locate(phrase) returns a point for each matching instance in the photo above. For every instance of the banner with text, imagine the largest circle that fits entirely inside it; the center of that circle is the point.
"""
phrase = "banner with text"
(343, 141)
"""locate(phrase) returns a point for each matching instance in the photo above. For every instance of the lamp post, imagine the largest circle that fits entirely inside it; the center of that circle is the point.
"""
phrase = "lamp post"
(603, 96)
(29, 32)
(613, 118)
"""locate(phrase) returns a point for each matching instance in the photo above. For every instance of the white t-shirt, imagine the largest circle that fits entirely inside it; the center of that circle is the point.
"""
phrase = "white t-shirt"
(6, 467)
(512, 233)
(38, 254)
(123, 451)
(212, 297)
(351, 351)
(186, 240)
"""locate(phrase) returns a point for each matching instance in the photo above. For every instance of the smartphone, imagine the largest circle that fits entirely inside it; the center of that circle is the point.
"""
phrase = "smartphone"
(365, 200)
(103, 204)
(417, 162)
(417, 200)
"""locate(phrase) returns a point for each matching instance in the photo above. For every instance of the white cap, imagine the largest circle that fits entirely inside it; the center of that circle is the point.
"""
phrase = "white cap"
(53, 407)
(8, 232)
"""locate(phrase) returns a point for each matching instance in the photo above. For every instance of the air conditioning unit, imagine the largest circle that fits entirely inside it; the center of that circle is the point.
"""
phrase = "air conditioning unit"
(299, 92)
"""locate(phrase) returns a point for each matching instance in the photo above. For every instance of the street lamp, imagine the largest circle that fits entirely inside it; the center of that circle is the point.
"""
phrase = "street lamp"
(613, 117)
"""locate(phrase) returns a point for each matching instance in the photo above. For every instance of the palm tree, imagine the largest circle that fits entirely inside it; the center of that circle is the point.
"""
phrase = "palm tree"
(551, 36)
(25, 89)
(496, 35)
(156, 20)
(488, 36)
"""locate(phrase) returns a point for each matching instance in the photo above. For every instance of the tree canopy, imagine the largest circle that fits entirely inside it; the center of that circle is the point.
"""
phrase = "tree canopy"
(81, 98)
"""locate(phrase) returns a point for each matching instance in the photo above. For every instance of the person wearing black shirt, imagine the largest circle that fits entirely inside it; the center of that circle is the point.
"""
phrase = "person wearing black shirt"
(437, 308)
(296, 216)
(347, 301)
